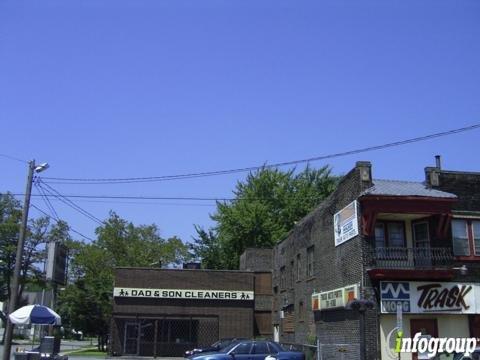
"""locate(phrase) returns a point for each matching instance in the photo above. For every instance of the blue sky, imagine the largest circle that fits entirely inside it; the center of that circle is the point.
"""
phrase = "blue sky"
(143, 88)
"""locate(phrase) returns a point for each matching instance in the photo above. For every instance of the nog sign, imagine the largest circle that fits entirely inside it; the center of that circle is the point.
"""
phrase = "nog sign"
(430, 297)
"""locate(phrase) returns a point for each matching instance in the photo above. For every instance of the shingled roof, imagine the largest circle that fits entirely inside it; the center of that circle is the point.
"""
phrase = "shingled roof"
(404, 188)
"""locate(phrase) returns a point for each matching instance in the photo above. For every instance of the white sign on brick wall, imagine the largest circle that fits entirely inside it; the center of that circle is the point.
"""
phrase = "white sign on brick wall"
(345, 223)
(183, 294)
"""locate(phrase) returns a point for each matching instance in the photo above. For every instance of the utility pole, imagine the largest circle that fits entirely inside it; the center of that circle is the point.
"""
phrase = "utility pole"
(32, 168)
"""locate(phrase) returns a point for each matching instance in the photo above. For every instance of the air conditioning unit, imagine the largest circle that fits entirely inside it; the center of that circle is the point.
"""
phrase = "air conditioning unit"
(282, 314)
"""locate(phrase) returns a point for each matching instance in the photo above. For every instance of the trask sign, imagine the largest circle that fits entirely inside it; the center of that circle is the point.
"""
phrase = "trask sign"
(430, 297)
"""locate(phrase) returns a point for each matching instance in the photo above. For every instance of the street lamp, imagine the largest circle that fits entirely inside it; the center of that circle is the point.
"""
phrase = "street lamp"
(32, 168)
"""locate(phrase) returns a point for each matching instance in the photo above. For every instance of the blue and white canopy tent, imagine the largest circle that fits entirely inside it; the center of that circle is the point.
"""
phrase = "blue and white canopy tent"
(36, 315)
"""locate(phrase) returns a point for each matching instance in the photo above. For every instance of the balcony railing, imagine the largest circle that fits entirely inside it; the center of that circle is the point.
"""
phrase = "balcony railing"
(411, 258)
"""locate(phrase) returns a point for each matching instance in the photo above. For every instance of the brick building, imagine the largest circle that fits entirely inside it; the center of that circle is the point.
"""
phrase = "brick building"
(339, 276)
(386, 243)
(164, 312)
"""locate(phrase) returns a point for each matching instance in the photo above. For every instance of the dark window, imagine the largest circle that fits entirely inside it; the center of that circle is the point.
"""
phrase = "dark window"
(396, 234)
(301, 311)
(421, 235)
(476, 236)
(260, 348)
(310, 261)
(390, 234)
(460, 238)
(380, 240)
(282, 278)
(299, 267)
(243, 348)
(292, 273)
(466, 237)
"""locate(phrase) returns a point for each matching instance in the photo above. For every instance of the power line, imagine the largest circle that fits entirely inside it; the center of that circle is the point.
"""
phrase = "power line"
(69, 203)
(14, 158)
(46, 200)
(139, 203)
(126, 197)
(58, 220)
(58, 180)
(52, 198)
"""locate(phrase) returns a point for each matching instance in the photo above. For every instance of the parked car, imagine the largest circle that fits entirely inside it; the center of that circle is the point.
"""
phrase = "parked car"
(251, 350)
(216, 346)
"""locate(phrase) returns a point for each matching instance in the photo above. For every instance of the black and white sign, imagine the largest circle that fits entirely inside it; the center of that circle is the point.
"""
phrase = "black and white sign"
(183, 294)
(345, 223)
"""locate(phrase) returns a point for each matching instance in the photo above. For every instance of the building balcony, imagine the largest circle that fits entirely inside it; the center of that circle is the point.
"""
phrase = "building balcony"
(411, 258)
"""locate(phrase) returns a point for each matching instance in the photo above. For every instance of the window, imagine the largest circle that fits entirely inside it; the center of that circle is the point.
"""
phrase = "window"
(476, 236)
(260, 348)
(292, 273)
(301, 311)
(380, 235)
(299, 267)
(310, 259)
(460, 238)
(466, 237)
(282, 278)
(243, 348)
(420, 234)
(390, 234)
(396, 234)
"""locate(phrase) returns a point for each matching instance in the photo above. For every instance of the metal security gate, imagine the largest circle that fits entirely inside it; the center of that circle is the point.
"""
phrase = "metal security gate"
(130, 339)
(168, 336)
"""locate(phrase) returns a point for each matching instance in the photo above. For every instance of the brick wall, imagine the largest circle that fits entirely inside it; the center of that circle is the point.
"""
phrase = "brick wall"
(333, 267)
(466, 185)
(257, 260)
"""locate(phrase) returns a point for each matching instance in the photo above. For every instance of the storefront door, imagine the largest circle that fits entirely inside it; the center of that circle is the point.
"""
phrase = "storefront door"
(424, 326)
(131, 338)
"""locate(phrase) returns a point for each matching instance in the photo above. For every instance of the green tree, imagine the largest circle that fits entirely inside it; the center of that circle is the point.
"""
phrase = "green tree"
(266, 207)
(207, 248)
(86, 303)
(39, 232)
(34, 249)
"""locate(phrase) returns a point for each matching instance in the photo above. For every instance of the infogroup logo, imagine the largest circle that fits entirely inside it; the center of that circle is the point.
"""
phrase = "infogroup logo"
(429, 346)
